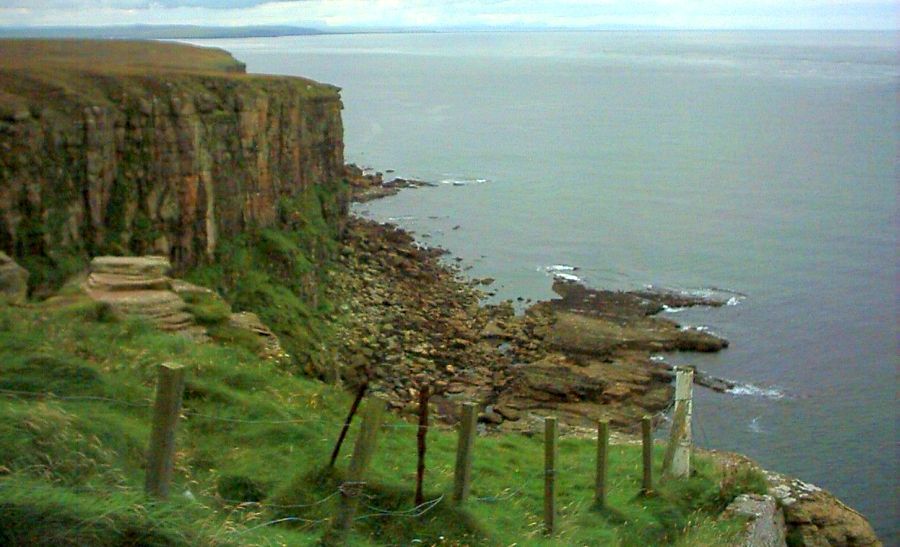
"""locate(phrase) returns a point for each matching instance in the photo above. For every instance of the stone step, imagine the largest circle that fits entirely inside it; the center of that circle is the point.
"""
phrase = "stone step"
(150, 266)
(175, 322)
(126, 282)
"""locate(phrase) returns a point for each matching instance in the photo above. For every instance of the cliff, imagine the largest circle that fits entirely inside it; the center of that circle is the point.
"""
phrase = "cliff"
(150, 148)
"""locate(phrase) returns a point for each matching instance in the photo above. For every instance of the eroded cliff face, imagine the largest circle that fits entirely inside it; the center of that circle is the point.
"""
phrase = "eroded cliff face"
(155, 161)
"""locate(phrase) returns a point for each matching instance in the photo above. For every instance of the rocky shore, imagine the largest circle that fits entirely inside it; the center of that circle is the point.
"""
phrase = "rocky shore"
(412, 320)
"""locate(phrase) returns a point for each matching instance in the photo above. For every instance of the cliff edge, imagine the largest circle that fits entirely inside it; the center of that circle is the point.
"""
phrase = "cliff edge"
(150, 148)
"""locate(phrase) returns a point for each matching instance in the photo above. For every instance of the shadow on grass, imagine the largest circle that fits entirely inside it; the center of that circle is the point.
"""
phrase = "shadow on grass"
(385, 512)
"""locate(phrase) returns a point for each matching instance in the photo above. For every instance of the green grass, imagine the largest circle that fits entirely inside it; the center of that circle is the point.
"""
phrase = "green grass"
(67, 75)
(71, 465)
(278, 273)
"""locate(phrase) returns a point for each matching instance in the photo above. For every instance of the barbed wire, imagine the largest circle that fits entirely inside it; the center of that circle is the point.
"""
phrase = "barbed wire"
(377, 512)
(508, 495)
(53, 396)
(282, 506)
(246, 421)
(413, 512)
(696, 422)
(309, 522)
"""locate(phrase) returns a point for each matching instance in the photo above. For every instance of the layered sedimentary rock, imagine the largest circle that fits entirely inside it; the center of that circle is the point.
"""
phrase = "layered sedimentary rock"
(162, 155)
(140, 286)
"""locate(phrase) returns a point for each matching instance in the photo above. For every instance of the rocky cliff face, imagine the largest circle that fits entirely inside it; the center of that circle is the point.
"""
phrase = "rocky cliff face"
(153, 157)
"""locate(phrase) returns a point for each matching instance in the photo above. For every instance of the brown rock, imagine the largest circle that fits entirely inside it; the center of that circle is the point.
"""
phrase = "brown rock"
(250, 322)
(13, 280)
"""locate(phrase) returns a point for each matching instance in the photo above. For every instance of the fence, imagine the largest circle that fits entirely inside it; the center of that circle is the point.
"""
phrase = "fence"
(167, 408)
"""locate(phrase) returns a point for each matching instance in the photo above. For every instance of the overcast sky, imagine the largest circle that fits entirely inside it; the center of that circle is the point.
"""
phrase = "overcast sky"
(855, 14)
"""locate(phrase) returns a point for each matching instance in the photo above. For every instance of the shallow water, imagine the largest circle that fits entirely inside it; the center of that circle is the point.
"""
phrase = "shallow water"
(757, 162)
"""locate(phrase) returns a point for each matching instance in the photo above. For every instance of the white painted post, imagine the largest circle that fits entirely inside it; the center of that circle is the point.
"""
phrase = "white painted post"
(681, 459)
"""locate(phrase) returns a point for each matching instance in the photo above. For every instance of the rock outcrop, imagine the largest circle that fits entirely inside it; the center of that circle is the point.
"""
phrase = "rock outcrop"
(140, 286)
(13, 280)
(765, 523)
(165, 154)
(813, 517)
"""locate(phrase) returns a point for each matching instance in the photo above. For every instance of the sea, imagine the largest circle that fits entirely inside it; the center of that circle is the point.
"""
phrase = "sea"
(758, 166)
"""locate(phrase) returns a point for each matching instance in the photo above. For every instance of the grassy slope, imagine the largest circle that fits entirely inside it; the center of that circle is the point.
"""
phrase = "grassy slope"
(113, 56)
(71, 470)
(52, 76)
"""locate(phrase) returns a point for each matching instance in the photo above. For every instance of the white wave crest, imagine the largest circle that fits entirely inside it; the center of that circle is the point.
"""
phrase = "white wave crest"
(754, 426)
(463, 182)
(669, 309)
(560, 268)
(750, 390)
(403, 218)
(566, 277)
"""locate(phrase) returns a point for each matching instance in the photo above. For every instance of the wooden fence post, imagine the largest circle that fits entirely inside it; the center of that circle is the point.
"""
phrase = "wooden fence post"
(602, 463)
(161, 451)
(463, 473)
(550, 462)
(420, 444)
(677, 459)
(352, 488)
(361, 392)
(647, 443)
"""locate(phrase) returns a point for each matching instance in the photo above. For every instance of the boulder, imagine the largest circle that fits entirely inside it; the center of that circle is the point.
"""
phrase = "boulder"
(13, 280)
(815, 517)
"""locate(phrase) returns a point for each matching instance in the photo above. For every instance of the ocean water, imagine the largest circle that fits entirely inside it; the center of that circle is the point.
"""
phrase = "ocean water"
(760, 164)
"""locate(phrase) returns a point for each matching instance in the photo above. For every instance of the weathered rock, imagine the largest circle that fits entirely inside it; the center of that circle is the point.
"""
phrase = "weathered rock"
(271, 346)
(13, 280)
(765, 522)
(815, 517)
(142, 266)
(156, 160)
(188, 290)
(603, 334)
(137, 286)
(495, 329)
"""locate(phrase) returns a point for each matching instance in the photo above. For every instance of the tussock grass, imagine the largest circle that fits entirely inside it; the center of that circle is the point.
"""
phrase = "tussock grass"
(254, 439)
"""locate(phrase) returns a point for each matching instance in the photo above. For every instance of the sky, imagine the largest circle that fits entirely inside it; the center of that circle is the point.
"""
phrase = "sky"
(434, 14)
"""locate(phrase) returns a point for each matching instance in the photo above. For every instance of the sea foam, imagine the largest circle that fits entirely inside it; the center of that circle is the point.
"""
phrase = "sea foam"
(750, 390)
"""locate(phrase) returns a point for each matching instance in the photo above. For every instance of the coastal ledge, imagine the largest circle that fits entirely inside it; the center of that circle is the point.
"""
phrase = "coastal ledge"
(812, 516)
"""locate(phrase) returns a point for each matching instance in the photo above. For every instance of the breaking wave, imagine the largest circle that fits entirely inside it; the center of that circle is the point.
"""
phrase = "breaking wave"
(463, 182)
(750, 390)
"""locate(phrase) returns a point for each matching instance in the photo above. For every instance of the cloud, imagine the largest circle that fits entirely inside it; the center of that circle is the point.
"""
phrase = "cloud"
(437, 13)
